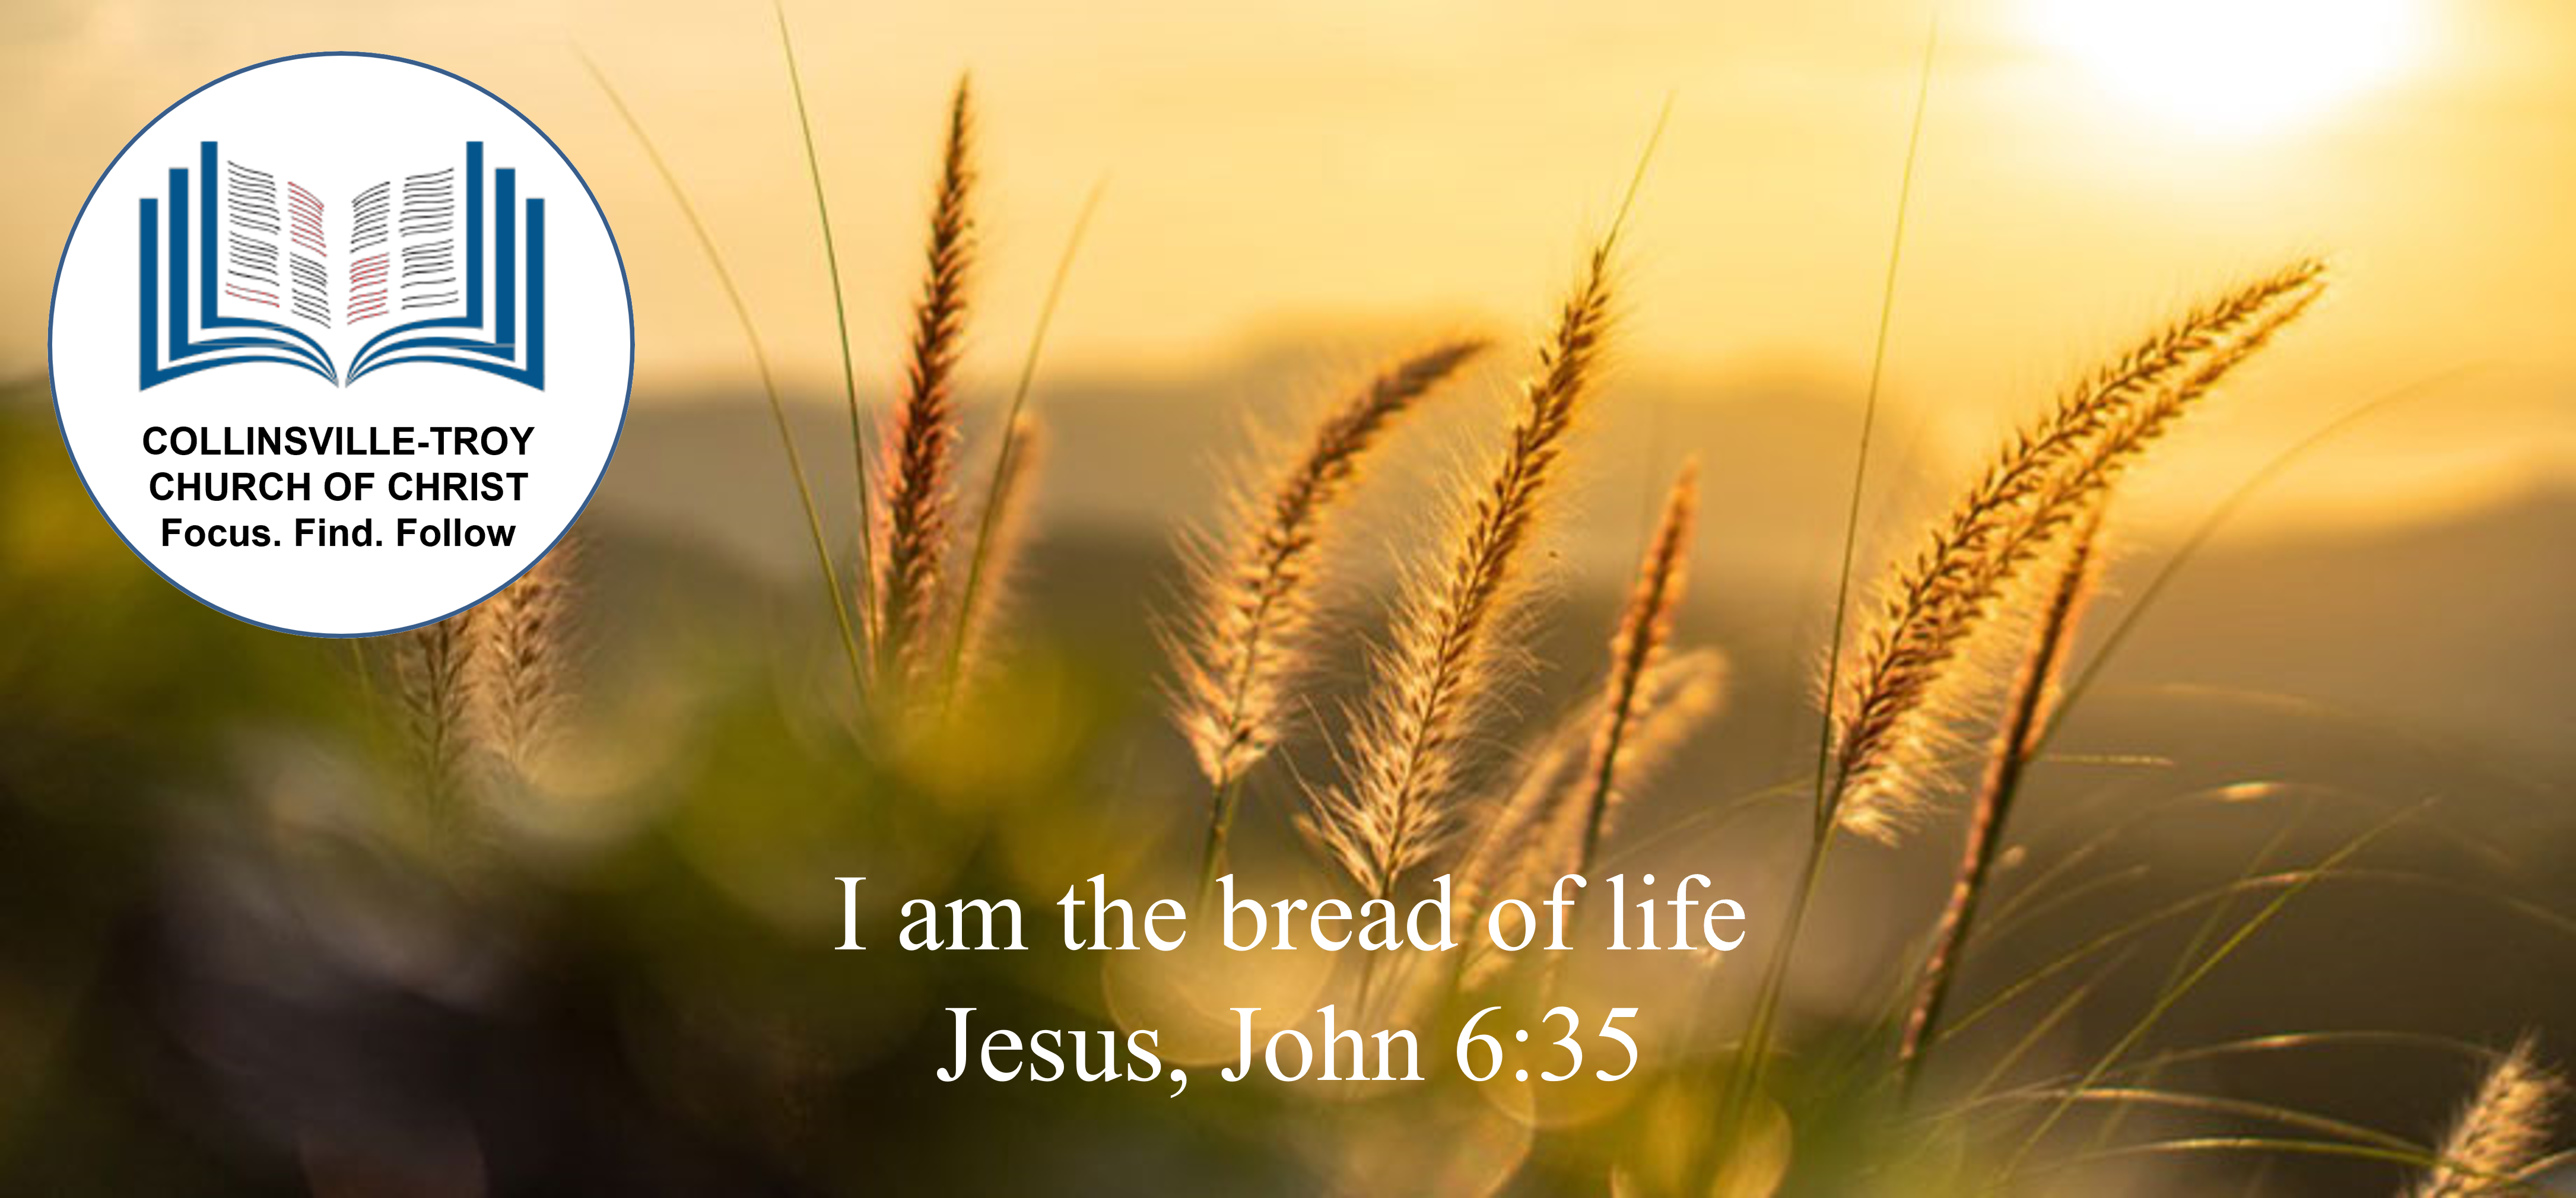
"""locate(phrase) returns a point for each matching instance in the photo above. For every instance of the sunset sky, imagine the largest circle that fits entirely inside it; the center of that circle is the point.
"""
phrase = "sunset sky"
(1299, 174)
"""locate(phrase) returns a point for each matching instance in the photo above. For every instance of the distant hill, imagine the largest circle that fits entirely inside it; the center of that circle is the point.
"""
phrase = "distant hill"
(2452, 625)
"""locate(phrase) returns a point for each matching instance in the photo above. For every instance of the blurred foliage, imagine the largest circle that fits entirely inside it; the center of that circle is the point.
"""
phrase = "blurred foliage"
(243, 958)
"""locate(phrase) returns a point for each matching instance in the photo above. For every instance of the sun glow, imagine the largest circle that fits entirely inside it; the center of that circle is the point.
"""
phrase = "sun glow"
(2234, 67)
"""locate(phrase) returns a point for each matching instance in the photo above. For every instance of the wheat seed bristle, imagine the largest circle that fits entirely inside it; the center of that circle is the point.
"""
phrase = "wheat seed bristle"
(922, 443)
(1255, 603)
(1533, 832)
(2028, 707)
(1887, 718)
(2502, 1132)
(517, 649)
(2078, 582)
(1440, 668)
(1644, 629)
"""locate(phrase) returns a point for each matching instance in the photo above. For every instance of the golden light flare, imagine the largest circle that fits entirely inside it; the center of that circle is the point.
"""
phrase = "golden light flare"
(2233, 67)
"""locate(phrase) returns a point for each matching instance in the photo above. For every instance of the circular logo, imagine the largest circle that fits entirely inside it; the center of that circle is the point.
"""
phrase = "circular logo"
(341, 344)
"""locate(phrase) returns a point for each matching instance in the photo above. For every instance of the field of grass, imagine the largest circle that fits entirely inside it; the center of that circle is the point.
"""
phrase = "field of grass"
(540, 899)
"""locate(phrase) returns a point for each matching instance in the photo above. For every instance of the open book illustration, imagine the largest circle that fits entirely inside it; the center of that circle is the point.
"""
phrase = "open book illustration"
(442, 267)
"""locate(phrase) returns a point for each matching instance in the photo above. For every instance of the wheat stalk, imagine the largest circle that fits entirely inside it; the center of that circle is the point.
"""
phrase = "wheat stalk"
(979, 548)
(433, 682)
(2502, 1131)
(517, 655)
(2027, 704)
(1675, 697)
(922, 442)
(1534, 831)
(1440, 669)
(829, 574)
(864, 568)
(1888, 716)
(1645, 626)
(1256, 592)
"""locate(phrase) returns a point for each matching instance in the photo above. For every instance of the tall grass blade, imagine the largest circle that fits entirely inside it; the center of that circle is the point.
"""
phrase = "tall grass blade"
(1007, 469)
(1747, 1076)
(831, 574)
(865, 568)
(2199, 971)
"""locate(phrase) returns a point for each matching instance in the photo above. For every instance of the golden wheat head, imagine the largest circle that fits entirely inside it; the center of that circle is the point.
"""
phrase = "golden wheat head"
(1256, 590)
(1889, 725)
(433, 682)
(2501, 1133)
(1441, 666)
(1645, 627)
(2028, 705)
(518, 652)
(921, 446)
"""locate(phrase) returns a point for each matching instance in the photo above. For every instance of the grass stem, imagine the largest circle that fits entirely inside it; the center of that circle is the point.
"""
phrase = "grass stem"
(760, 360)
(865, 568)
(978, 558)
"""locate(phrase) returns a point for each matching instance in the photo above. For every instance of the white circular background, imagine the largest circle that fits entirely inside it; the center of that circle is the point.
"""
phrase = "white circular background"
(337, 123)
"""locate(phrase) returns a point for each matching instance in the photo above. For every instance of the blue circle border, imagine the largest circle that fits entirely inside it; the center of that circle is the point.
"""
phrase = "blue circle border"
(625, 402)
